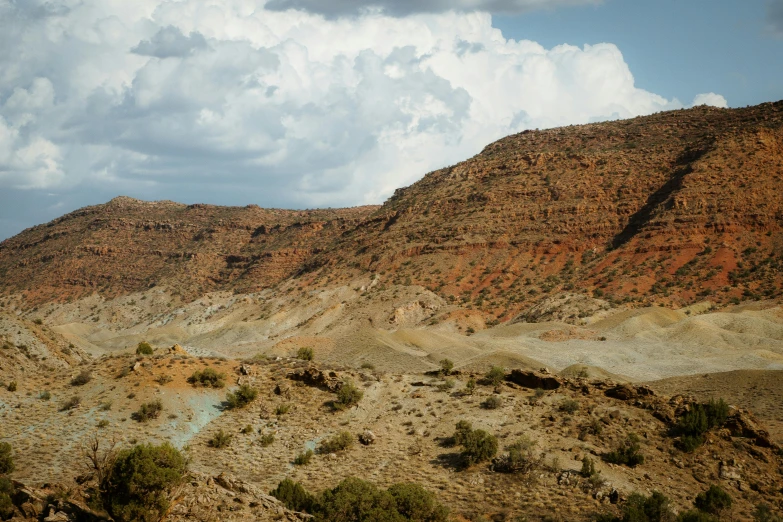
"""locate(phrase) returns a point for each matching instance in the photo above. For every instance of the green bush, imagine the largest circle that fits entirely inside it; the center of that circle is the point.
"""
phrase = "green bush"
(6, 505)
(140, 478)
(305, 354)
(446, 365)
(6, 458)
(207, 378)
(147, 411)
(242, 397)
(144, 348)
(266, 440)
(294, 496)
(347, 396)
(627, 454)
(764, 513)
(588, 467)
(339, 442)
(355, 500)
(477, 445)
(470, 386)
(638, 508)
(495, 376)
(414, 502)
(45, 395)
(701, 418)
(518, 459)
(303, 458)
(714, 501)
(83, 378)
(282, 409)
(221, 439)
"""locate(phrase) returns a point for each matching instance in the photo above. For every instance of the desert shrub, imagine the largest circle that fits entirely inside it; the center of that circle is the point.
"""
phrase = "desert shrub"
(446, 385)
(144, 348)
(45, 395)
(105, 406)
(627, 453)
(495, 376)
(588, 467)
(569, 406)
(71, 403)
(518, 459)
(303, 458)
(701, 418)
(242, 397)
(83, 378)
(12, 386)
(339, 442)
(103, 423)
(6, 458)
(356, 500)
(477, 445)
(713, 501)
(247, 430)
(221, 439)
(164, 379)
(147, 411)
(139, 481)
(282, 409)
(294, 496)
(266, 440)
(638, 508)
(764, 513)
(305, 354)
(470, 386)
(446, 365)
(208, 378)
(347, 396)
(367, 366)
(414, 502)
(492, 402)
(6, 505)
(694, 515)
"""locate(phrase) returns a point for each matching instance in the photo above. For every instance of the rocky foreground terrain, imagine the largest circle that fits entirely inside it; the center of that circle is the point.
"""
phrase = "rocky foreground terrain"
(592, 288)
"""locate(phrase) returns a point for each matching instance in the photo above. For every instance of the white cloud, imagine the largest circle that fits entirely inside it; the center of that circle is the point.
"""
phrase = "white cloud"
(191, 98)
(710, 98)
(406, 7)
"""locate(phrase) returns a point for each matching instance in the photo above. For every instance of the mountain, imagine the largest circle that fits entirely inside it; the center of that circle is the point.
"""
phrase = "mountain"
(673, 208)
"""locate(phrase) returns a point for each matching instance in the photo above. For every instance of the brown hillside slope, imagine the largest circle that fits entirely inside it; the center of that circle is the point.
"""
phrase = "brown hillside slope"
(673, 208)
(128, 245)
(670, 208)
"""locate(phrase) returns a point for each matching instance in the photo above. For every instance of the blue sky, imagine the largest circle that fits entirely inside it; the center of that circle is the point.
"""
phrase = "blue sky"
(315, 103)
(675, 48)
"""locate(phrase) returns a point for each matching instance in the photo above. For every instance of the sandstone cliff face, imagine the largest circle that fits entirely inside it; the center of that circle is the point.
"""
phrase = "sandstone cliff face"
(672, 208)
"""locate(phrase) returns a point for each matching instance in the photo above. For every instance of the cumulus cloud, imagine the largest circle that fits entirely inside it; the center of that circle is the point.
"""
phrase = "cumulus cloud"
(231, 102)
(406, 7)
(710, 98)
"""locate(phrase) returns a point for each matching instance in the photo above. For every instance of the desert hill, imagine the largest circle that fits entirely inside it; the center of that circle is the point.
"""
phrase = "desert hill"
(672, 208)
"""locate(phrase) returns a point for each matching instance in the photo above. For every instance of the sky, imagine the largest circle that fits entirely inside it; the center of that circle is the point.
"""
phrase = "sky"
(319, 103)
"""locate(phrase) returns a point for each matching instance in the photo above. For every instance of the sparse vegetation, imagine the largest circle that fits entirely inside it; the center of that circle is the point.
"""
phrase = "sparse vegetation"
(713, 501)
(6, 458)
(71, 403)
(282, 409)
(12, 386)
(208, 378)
(7, 491)
(347, 396)
(267, 439)
(492, 402)
(477, 445)
(242, 397)
(495, 376)
(82, 378)
(519, 458)
(45, 395)
(638, 508)
(701, 418)
(569, 406)
(338, 442)
(294, 496)
(628, 453)
(446, 366)
(305, 354)
(144, 348)
(221, 439)
(303, 458)
(139, 481)
(148, 411)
